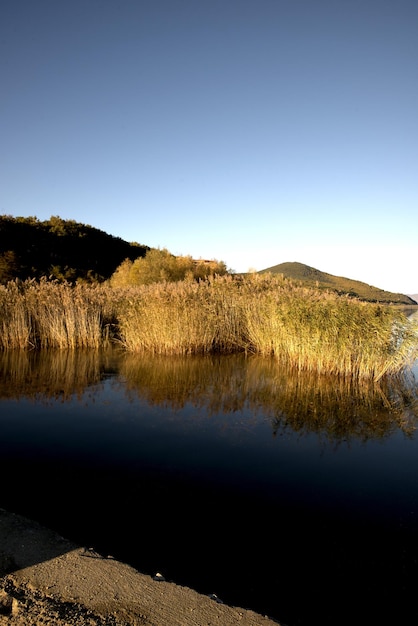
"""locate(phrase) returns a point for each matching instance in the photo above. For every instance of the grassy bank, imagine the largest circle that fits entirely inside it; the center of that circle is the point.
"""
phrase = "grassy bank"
(264, 314)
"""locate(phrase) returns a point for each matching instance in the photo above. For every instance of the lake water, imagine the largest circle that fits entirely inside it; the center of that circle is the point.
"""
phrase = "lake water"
(295, 497)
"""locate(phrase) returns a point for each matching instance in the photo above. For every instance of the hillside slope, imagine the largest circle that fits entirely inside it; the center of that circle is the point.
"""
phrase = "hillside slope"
(63, 249)
(357, 289)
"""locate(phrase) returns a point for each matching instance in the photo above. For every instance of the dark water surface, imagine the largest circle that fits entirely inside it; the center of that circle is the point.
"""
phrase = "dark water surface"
(289, 495)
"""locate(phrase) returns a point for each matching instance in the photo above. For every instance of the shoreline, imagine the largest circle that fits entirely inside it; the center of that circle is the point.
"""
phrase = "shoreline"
(44, 578)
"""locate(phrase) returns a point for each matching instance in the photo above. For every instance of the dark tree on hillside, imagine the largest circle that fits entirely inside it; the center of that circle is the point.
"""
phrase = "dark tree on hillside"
(64, 249)
(8, 266)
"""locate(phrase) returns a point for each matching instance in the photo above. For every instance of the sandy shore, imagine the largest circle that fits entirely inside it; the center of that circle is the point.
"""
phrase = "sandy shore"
(47, 580)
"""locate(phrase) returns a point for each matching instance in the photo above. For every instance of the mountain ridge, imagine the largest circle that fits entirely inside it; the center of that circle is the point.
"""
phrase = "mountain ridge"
(312, 277)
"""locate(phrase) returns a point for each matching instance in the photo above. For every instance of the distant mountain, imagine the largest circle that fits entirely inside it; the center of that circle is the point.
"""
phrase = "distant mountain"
(63, 249)
(312, 277)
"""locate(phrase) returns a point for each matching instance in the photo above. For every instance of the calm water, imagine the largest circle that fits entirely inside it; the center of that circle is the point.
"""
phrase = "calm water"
(295, 497)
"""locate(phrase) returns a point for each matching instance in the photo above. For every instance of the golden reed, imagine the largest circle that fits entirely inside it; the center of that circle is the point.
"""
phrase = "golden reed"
(264, 314)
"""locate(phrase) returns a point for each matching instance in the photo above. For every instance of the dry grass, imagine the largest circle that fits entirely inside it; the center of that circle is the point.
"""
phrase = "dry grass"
(48, 314)
(322, 332)
(182, 318)
(268, 315)
(15, 320)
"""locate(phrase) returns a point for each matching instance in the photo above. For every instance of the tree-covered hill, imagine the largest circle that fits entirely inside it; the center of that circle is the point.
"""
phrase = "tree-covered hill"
(315, 278)
(63, 249)
(68, 250)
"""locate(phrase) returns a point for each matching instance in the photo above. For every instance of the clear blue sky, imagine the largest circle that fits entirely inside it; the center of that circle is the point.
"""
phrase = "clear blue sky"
(249, 131)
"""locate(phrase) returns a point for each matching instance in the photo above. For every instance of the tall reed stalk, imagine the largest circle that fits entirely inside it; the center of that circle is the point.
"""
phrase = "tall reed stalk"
(306, 329)
(48, 314)
(15, 318)
(326, 333)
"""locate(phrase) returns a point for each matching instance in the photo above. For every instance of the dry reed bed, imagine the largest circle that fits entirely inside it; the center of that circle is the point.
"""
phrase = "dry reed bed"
(264, 314)
(48, 314)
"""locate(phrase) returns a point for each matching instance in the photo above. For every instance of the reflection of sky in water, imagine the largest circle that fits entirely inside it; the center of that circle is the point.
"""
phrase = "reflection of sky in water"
(196, 492)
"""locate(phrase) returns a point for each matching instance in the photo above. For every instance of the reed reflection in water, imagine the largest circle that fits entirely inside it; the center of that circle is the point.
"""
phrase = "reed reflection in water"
(304, 402)
(291, 483)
